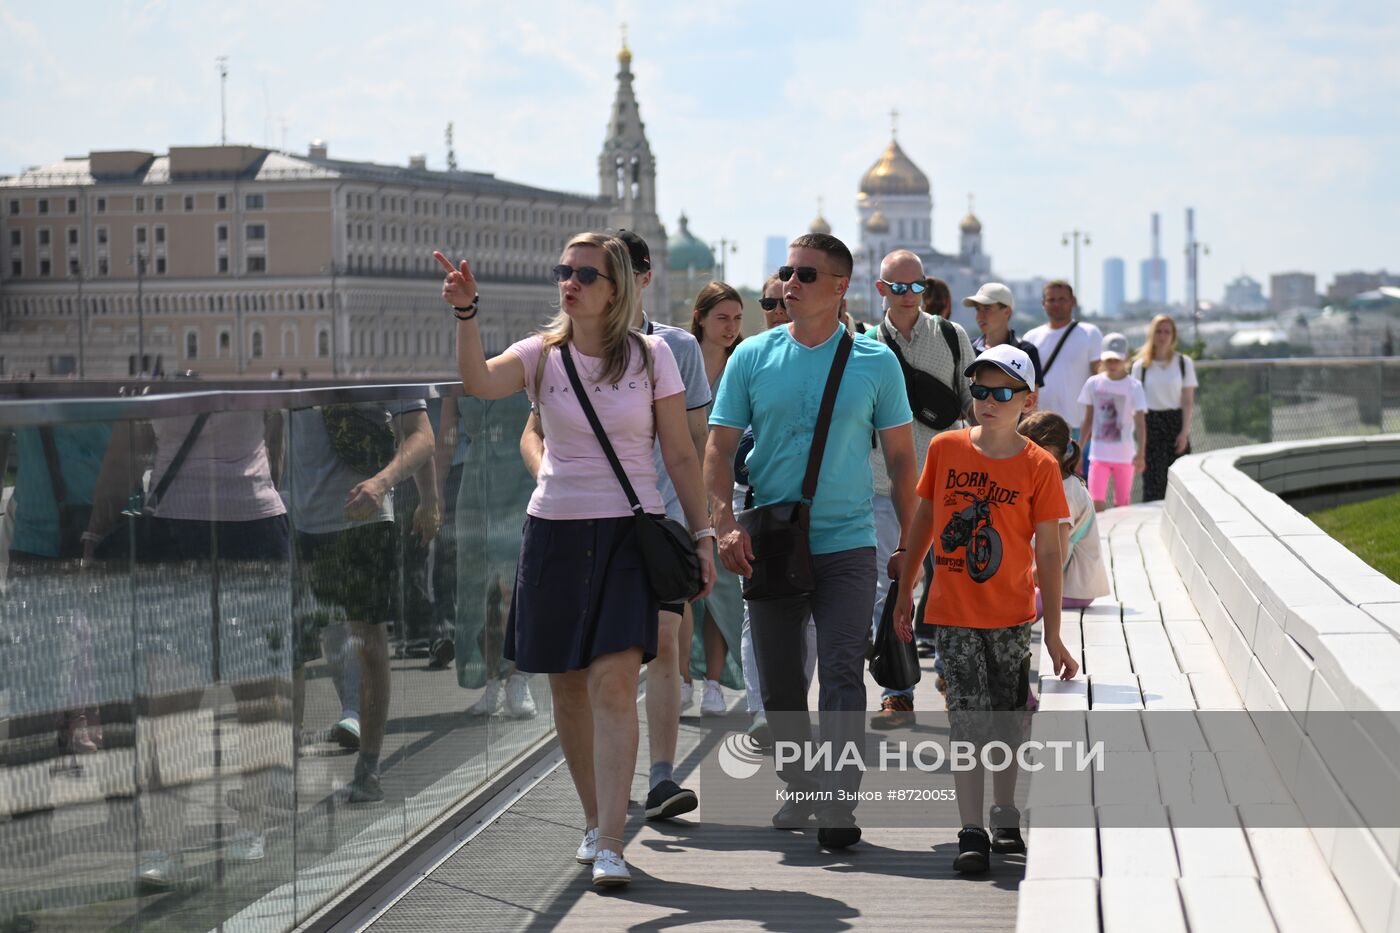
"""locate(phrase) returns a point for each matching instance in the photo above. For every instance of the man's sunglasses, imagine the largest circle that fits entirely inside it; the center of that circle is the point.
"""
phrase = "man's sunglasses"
(899, 288)
(768, 304)
(1000, 393)
(805, 274)
(587, 275)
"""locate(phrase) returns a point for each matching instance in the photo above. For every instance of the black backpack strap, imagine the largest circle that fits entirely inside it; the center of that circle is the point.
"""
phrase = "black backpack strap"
(1045, 370)
(1181, 364)
(60, 491)
(823, 428)
(904, 366)
(598, 431)
(177, 461)
(950, 337)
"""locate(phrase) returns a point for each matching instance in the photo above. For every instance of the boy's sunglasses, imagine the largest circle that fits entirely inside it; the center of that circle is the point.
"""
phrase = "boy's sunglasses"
(805, 274)
(768, 304)
(899, 288)
(587, 275)
(1000, 393)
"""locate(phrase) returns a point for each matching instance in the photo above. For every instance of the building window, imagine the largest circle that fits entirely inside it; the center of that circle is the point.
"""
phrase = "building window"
(43, 205)
(189, 203)
(45, 268)
(72, 236)
(159, 204)
(102, 266)
(73, 267)
(223, 202)
(191, 345)
(160, 265)
(14, 207)
(140, 205)
(101, 236)
(43, 236)
(160, 234)
(289, 341)
(221, 233)
(257, 263)
(16, 268)
(101, 205)
(323, 343)
(72, 205)
(16, 238)
(255, 232)
(257, 344)
(223, 265)
(140, 234)
(253, 202)
(225, 340)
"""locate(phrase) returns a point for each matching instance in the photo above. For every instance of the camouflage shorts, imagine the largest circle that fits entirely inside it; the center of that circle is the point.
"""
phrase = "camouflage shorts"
(987, 670)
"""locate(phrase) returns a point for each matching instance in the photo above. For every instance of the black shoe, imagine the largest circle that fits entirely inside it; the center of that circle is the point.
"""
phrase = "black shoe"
(1006, 831)
(838, 837)
(974, 851)
(668, 799)
(441, 654)
(794, 814)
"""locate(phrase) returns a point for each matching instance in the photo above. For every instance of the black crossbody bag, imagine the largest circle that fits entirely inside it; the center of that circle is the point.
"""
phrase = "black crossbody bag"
(668, 553)
(935, 404)
(136, 531)
(782, 548)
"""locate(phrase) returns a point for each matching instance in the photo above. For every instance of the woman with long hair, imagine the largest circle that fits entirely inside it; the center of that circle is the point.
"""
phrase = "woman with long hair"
(582, 610)
(1168, 377)
(715, 320)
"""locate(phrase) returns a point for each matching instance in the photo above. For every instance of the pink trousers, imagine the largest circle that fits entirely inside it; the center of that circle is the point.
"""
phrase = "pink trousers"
(1122, 474)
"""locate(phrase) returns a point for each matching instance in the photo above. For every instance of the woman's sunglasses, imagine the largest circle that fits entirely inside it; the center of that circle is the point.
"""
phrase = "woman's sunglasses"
(899, 288)
(805, 274)
(1000, 393)
(768, 304)
(587, 275)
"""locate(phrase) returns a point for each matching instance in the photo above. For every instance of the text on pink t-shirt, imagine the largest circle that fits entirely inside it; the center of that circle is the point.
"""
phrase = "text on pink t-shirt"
(575, 479)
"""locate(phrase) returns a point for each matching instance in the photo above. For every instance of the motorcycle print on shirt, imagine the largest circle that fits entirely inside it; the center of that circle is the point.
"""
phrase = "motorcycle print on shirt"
(971, 528)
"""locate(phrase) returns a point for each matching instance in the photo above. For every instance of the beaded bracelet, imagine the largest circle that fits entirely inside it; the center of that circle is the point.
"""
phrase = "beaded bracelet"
(473, 308)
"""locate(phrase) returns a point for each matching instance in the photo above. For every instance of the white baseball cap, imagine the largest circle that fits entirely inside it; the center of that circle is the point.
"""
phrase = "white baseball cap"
(993, 293)
(1011, 360)
(1115, 347)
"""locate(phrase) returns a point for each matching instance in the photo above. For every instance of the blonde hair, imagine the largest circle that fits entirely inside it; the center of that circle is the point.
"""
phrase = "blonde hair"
(617, 318)
(1147, 354)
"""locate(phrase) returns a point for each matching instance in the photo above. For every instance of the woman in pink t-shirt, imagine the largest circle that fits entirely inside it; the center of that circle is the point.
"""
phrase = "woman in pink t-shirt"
(582, 609)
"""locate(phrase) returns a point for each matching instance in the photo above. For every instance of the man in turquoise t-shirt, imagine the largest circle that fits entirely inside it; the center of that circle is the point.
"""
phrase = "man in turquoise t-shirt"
(775, 382)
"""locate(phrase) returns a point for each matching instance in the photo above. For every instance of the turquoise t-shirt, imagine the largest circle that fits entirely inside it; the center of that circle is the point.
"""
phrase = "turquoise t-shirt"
(775, 384)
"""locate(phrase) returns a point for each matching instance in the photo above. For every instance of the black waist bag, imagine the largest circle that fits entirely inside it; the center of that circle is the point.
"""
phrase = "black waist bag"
(935, 404)
(782, 564)
(668, 553)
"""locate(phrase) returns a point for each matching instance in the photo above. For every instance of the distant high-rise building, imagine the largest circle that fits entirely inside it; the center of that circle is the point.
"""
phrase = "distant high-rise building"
(1347, 285)
(1113, 293)
(1154, 269)
(1289, 290)
(1245, 294)
(774, 255)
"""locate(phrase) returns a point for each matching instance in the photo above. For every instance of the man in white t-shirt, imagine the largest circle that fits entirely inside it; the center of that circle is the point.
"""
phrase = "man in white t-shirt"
(1069, 355)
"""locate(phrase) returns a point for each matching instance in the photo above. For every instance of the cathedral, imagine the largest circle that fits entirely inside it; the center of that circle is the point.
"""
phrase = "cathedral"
(895, 210)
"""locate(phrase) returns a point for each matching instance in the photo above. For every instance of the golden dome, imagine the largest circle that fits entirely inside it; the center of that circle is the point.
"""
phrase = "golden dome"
(970, 224)
(894, 173)
(819, 225)
(877, 223)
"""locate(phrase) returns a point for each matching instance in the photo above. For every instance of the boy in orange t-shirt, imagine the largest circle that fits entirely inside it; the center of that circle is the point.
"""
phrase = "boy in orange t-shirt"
(988, 493)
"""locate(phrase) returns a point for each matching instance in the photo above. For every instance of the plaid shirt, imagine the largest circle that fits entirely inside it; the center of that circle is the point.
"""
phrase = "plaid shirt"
(926, 351)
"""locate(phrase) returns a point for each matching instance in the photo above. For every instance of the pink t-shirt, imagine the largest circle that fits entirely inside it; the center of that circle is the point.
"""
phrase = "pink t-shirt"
(575, 478)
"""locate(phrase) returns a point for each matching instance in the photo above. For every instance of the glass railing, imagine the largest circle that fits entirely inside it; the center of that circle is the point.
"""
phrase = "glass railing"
(188, 713)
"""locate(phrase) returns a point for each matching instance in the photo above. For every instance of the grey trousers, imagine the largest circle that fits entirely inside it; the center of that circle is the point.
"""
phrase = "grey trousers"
(841, 609)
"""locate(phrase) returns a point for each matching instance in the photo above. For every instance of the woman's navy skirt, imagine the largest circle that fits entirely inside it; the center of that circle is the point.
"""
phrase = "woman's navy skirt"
(581, 592)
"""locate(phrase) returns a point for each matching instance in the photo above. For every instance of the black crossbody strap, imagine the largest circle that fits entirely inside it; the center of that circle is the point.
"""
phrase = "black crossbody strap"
(60, 491)
(177, 461)
(950, 337)
(823, 428)
(1045, 370)
(598, 431)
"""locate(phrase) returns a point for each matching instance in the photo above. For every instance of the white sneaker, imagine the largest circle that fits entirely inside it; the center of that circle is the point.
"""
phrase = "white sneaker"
(609, 870)
(519, 703)
(157, 870)
(346, 733)
(247, 846)
(713, 702)
(687, 696)
(588, 848)
(490, 702)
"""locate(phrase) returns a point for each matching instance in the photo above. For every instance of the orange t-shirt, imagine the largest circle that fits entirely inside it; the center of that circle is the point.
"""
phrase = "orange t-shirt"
(984, 517)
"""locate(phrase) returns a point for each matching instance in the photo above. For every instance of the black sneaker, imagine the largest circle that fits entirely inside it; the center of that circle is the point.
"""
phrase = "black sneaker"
(364, 789)
(974, 851)
(1006, 831)
(668, 799)
(838, 837)
(441, 654)
(794, 814)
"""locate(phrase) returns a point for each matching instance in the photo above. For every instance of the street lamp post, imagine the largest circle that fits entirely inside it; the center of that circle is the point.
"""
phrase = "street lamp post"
(82, 327)
(1075, 236)
(140, 262)
(1194, 249)
(724, 249)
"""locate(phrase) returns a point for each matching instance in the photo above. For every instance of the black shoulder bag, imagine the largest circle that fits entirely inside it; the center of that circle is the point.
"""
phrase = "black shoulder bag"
(72, 516)
(673, 569)
(1045, 370)
(782, 564)
(935, 404)
(137, 531)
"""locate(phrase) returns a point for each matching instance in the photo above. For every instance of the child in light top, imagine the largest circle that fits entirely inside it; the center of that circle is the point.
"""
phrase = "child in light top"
(1115, 418)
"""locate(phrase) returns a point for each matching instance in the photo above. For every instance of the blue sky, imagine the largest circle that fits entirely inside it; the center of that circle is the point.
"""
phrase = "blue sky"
(1277, 121)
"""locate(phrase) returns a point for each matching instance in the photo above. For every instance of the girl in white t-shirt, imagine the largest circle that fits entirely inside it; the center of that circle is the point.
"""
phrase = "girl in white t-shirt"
(1169, 380)
(1115, 419)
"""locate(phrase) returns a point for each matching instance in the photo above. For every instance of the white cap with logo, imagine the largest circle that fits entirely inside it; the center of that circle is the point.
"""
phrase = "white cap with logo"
(1011, 360)
(993, 293)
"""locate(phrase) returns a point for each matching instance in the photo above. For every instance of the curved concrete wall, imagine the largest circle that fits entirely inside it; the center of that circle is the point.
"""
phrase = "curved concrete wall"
(1304, 626)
